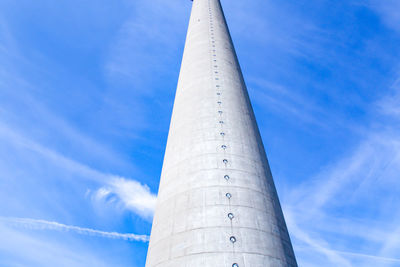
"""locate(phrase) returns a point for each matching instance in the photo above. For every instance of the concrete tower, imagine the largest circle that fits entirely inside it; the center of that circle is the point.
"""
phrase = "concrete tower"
(217, 203)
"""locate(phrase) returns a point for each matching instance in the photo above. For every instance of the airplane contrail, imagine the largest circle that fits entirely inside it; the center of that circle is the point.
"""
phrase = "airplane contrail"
(50, 225)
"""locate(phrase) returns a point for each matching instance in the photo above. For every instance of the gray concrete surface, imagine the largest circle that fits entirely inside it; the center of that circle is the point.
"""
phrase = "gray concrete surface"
(217, 203)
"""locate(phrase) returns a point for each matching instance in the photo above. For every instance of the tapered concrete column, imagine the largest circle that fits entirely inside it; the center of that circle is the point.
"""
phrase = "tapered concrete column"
(217, 204)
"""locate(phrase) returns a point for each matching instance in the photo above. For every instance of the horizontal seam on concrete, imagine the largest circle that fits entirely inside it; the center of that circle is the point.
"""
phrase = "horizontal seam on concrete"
(219, 228)
(230, 205)
(227, 252)
(165, 171)
(260, 162)
(226, 171)
(216, 186)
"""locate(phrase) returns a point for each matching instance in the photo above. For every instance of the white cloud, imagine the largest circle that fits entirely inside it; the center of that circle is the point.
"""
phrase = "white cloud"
(50, 225)
(128, 194)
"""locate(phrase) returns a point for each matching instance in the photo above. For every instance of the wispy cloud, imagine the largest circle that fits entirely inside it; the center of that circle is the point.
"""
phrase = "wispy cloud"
(132, 44)
(390, 104)
(314, 244)
(285, 101)
(388, 11)
(326, 207)
(50, 225)
(357, 182)
(371, 257)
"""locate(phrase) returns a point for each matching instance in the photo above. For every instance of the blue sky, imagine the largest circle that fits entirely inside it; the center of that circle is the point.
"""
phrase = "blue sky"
(86, 94)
